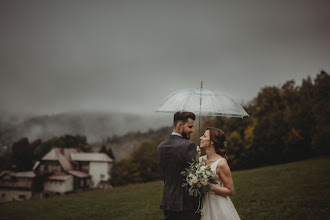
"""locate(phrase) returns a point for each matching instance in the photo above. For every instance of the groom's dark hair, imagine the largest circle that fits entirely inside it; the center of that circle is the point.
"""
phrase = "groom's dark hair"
(183, 117)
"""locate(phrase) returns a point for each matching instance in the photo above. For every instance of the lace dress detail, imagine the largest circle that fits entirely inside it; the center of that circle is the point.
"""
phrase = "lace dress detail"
(216, 207)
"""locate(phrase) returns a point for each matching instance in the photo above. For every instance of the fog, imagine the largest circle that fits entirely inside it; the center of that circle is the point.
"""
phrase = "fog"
(126, 56)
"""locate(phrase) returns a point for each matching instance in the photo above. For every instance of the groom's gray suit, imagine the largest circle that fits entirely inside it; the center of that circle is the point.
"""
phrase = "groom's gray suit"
(174, 154)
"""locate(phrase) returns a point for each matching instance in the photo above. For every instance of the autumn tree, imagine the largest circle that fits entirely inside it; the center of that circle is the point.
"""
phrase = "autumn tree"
(286, 123)
(141, 166)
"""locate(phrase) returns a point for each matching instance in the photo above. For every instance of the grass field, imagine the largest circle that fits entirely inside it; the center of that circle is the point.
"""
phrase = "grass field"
(299, 190)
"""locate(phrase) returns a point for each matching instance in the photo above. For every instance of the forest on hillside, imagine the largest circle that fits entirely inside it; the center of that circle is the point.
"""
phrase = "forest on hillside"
(287, 123)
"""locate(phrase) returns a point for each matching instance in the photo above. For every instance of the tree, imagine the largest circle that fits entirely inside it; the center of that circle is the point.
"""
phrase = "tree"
(76, 141)
(111, 154)
(103, 149)
(321, 109)
(22, 155)
(107, 152)
(141, 166)
(123, 173)
(5, 161)
(146, 160)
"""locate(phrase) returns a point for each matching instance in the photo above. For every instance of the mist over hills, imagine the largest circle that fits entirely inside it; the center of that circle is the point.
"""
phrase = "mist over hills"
(96, 126)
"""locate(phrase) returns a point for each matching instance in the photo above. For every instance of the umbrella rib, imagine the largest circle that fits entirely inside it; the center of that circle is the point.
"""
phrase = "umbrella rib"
(186, 101)
(163, 102)
(167, 98)
(212, 97)
(219, 105)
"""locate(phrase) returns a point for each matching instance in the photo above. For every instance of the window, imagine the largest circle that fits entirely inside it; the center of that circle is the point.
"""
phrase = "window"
(82, 183)
(6, 177)
(21, 196)
(42, 167)
(102, 176)
(3, 195)
(85, 168)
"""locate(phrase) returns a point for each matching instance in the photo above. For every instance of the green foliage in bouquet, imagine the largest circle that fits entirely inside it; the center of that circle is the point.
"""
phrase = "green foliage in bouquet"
(197, 177)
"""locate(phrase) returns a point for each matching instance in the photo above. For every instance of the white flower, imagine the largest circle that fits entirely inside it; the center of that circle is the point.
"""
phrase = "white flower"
(198, 175)
(194, 179)
(204, 182)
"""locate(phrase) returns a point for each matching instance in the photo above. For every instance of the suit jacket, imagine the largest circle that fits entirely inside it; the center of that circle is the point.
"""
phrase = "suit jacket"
(174, 154)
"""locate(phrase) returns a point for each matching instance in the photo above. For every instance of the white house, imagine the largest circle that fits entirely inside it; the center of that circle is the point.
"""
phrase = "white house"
(89, 170)
(97, 165)
(60, 171)
(59, 183)
(60, 175)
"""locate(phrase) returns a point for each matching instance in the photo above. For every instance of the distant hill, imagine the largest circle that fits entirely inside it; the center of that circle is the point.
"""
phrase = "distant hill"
(122, 146)
(96, 126)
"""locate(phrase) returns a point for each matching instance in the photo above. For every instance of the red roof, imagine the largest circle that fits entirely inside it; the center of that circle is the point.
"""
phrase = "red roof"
(59, 176)
(79, 174)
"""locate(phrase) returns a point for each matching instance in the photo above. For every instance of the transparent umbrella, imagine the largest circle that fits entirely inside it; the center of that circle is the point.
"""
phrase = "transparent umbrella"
(202, 101)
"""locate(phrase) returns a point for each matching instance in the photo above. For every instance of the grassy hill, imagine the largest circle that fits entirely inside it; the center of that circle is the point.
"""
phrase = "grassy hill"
(299, 190)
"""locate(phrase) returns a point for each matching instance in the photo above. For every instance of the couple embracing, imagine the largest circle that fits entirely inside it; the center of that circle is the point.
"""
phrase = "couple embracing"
(174, 155)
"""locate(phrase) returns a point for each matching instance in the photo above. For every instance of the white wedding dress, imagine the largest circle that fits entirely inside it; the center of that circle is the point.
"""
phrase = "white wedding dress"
(216, 207)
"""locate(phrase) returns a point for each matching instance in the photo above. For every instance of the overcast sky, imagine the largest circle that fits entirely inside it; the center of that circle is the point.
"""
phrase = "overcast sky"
(59, 56)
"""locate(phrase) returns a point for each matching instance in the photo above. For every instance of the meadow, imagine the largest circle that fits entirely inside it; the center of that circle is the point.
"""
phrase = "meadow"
(298, 190)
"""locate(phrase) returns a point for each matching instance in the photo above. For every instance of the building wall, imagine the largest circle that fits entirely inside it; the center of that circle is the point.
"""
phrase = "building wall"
(11, 195)
(59, 186)
(99, 172)
(49, 166)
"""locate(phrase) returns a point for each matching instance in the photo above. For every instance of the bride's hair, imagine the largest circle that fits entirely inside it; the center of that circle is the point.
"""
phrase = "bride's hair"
(218, 138)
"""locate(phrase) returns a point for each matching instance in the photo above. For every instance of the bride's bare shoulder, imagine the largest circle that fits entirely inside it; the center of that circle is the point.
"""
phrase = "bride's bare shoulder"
(223, 164)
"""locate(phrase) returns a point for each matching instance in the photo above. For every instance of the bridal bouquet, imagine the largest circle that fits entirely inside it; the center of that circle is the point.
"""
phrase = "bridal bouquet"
(197, 177)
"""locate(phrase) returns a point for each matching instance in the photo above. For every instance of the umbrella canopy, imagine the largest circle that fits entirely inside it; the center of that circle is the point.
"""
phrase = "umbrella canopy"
(202, 101)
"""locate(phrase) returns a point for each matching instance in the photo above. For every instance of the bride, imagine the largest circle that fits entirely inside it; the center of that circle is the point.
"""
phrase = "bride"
(216, 203)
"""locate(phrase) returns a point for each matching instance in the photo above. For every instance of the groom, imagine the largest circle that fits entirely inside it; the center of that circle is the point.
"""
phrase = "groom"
(174, 153)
